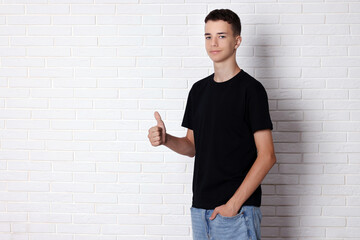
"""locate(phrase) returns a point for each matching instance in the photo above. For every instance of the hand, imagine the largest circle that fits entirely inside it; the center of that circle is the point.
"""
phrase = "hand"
(157, 134)
(226, 210)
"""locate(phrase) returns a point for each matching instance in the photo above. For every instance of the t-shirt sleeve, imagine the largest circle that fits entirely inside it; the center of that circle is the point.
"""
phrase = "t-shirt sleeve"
(258, 108)
(187, 119)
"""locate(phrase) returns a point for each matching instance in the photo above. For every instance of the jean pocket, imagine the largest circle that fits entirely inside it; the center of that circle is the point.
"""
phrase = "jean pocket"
(239, 214)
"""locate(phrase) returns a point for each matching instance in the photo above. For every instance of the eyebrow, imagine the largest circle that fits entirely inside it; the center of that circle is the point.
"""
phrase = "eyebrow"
(216, 33)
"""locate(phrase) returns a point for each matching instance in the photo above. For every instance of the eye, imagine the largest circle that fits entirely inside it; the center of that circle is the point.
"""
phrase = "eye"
(207, 37)
(222, 36)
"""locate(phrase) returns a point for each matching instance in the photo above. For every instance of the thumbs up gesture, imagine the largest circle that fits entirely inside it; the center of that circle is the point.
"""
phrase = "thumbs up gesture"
(157, 134)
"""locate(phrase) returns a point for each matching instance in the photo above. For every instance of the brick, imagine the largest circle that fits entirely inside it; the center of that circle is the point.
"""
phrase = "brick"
(161, 188)
(348, 232)
(78, 228)
(138, 9)
(51, 177)
(73, 167)
(340, 190)
(309, 51)
(342, 18)
(139, 157)
(135, 198)
(95, 31)
(95, 198)
(322, 200)
(183, 9)
(325, 8)
(31, 20)
(118, 167)
(98, 219)
(28, 187)
(14, 114)
(30, 83)
(114, 229)
(302, 232)
(96, 156)
(339, 147)
(72, 187)
(325, 29)
(164, 20)
(14, 176)
(29, 166)
(48, 9)
(26, 103)
(72, 208)
(11, 9)
(70, 20)
(48, 52)
(116, 208)
(140, 30)
(75, 41)
(9, 72)
(276, 179)
(299, 126)
(115, 125)
(166, 83)
(51, 72)
(168, 230)
(70, 104)
(93, 52)
(68, 62)
(113, 62)
(52, 31)
(160, 62)
(323, 137)
(13, 155)
(23, 144)
(299, 104)
(95, 177)
(325, 158)
(139, 178)
(49, 218)
(93, 9)
(326, 115)
(119, 20)
(23, 62)
(298, 190)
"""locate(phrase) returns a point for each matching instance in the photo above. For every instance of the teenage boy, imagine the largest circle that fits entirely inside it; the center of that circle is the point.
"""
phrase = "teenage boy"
(229, 133)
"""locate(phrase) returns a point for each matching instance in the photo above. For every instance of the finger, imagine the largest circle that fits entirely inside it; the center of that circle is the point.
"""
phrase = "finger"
(213, 215)
(158, 119)
(155, 134)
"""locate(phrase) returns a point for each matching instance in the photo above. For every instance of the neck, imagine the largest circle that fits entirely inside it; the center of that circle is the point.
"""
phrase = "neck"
(225, 70)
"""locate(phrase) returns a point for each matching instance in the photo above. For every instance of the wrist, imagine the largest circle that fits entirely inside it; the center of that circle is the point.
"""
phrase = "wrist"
(235, 203)
(166, 139)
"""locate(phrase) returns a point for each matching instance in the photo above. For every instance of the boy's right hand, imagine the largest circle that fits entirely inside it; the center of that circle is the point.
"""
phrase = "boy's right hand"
(157, 134)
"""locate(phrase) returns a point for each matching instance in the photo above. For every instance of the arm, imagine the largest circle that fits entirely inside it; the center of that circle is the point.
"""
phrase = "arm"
(262, 165)
(184, 145)
(158, 136)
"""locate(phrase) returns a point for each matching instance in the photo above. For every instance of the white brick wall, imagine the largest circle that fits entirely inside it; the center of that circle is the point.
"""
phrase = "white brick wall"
(81, 79)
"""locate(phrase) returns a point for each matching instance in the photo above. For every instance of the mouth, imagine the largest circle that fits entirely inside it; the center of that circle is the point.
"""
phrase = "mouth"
(215, 51)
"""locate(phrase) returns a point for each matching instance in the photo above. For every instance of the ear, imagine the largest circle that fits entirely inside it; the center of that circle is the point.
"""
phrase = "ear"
(238, 41)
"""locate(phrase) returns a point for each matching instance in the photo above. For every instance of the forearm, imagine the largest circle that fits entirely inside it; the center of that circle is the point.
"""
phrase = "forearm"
(180, 145)
(253, 179)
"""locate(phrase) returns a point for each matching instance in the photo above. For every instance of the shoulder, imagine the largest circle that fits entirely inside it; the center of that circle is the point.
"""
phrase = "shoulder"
(200, 84)
(252, 84)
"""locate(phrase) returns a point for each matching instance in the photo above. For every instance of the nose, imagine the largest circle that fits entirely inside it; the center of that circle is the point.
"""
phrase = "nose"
(214, 42)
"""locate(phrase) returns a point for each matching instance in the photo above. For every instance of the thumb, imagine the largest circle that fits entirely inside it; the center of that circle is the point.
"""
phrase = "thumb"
(213, 215)
(160, 122)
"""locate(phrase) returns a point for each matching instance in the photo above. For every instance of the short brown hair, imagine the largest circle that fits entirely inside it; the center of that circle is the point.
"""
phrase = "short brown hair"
(228, 16)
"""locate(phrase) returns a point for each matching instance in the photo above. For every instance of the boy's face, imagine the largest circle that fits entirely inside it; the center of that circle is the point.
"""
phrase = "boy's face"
(220, 42)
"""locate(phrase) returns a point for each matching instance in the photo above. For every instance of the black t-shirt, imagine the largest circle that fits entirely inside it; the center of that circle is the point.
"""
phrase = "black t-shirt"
(224, 117)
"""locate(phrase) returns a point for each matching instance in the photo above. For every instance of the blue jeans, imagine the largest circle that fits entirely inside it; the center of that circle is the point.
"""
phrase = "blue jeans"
(243, 226)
